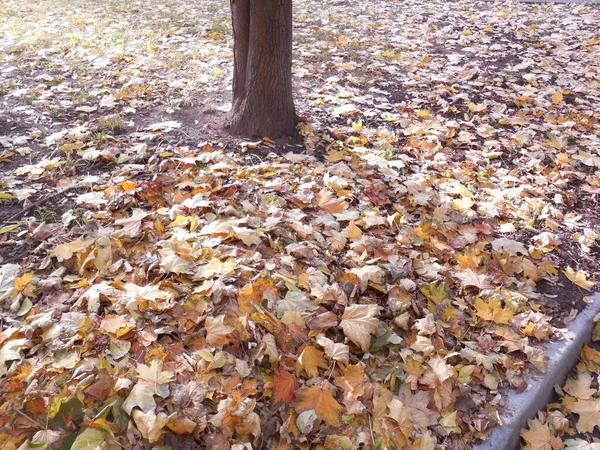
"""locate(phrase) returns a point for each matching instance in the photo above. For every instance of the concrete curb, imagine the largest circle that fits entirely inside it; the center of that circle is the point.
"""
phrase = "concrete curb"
(563, 355)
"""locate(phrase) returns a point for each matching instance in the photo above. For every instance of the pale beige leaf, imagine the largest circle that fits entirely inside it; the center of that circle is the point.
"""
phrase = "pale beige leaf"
(358, 323)
(150, 424)
(471, 278)
(217, 331)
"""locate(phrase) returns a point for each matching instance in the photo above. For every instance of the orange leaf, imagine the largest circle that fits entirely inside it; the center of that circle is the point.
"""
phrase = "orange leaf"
(310, 360)
(330, 204)
(285, 385)
(252, 294)
(321, 400)
(353, 380)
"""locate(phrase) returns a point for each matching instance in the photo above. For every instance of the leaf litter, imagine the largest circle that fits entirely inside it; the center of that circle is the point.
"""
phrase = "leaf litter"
(379, 285)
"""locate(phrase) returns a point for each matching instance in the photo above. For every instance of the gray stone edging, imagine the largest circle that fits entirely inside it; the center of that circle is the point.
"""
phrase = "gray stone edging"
(563, 355)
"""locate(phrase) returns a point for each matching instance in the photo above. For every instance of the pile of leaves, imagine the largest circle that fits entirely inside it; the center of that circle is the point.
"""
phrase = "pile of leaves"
(570, 421)
(378, 285)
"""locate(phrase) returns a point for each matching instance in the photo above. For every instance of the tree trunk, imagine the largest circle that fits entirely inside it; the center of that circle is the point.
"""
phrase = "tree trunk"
(262, 81)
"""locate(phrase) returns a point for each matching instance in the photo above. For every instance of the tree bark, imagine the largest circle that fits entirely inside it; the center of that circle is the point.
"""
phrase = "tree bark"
(262, 81)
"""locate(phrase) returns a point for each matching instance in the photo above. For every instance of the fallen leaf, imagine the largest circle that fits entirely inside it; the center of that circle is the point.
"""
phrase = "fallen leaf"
(579, 278)
(89, 439)
(285, 385)
(358, 323)
(150, 424)
(321, 400)
(493, 311)
(310, 360)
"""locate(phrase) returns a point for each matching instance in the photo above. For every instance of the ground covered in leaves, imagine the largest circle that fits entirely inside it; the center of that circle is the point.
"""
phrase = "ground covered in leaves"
(572, 420)
(377, 283)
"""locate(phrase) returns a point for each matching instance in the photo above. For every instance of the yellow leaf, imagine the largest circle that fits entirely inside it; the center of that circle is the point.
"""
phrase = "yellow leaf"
(21, 282)
(321, 400)
(310, 360)
(424, 113)
(9, 229)
(578, 278)
(352, 232)
(492, 311)
(557, 98)
(463, 204)
(154, 374)
(181, 425)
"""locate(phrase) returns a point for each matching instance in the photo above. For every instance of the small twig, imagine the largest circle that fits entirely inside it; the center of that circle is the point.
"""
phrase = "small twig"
(39, 203)
(30, 419)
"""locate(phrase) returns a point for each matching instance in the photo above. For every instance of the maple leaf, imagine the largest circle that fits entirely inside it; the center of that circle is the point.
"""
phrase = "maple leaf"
(418, 403)
(539, 436)
(330, 204)
(471, 278)
(366, 274)
(176, 264)
(353, 380)
(591, 357)
(154, 374)
(578, 278)
(285, 385)
(66, 251)
(589, 414)
(580, 387)
(89, 439)
(440, 372)
(509, 246)
(141, 396)
(537, 357)
(247, 235)
(437, 293)
(493, 311)
(310, 360)
(320, 399)
(117, 325)
(252, 294)
(580, 444)
(358, 323)
(217, 331)
(11, 351)
(150, 424)
(337, 352)
(402, 415)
